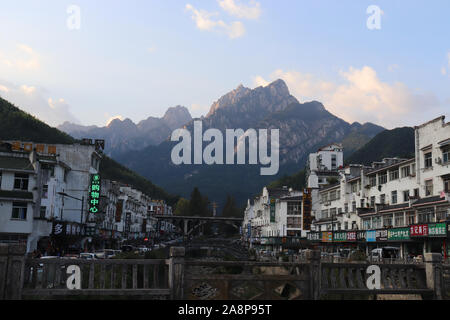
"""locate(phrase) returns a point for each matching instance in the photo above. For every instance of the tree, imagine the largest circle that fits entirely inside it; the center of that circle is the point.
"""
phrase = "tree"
(230, 209)
(182, 207)
(198, 205)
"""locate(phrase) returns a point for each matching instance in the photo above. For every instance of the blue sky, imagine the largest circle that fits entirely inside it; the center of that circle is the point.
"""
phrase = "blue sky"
(135, 59)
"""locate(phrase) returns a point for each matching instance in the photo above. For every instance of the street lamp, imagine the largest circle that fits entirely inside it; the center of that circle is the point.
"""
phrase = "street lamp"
(82, 203)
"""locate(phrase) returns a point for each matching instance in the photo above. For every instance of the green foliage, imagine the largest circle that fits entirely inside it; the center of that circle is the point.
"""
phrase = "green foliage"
(296, 181)
(182, 207)
(16, 124)
(162, 253)
(398, 142)
(230, 209)
(110, 169)
(198, 205)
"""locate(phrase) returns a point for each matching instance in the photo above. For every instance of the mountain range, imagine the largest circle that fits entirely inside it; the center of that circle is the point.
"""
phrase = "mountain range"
(303, 128)
(122, 136)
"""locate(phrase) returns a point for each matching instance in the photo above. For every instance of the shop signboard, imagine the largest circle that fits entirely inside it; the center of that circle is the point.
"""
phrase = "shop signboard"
(371, 236)
(419, 230)
(398, 234)
(361, 235)
(381, 235)
(327, 236)
(272, 210)
(340, 236)
(306, 199)
(94, 194)
(313, 236)
(437, 230)
(351, 236)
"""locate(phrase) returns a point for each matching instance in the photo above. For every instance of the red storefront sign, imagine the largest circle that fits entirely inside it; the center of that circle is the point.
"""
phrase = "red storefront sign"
(351, 236)
(420, 230)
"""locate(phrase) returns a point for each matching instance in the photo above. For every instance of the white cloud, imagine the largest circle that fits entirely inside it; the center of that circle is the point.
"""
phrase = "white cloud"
(114, 117)
(235, 8)
(444, 71)
(361, 96)
(151, 49)
(203, 20)
(21, 58)
(36, 102)
(393, 67)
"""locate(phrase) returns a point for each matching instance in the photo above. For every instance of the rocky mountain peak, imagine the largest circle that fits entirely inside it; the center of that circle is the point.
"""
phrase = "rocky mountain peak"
(279, 88)
(176, 117)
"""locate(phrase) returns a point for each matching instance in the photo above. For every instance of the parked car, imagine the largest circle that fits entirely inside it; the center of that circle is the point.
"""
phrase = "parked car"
(127, 248)
(379, 254)
(87, 256)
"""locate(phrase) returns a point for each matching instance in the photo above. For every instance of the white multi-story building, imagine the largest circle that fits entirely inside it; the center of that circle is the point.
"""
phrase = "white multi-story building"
(395, 193)
(275, 214)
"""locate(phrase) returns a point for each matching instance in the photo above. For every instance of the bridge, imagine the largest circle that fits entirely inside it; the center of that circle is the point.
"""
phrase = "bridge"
(191, 223)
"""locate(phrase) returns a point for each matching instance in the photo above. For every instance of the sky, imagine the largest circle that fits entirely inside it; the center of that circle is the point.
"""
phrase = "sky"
(387, 62)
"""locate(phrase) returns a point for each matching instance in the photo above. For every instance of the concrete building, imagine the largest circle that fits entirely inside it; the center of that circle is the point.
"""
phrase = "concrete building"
(394, 196)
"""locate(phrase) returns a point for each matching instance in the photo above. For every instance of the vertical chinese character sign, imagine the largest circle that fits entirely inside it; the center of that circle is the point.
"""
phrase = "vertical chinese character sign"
(94, 195)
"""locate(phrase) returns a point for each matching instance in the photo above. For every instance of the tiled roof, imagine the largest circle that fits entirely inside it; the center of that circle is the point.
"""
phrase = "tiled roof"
(16, 163)
(395, 206)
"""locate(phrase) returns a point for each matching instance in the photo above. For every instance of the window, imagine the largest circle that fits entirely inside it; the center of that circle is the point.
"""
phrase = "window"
(19, 211)
(373, 181)
(382, 178)
(387, 220)
(345, 225)
(405, 171)
(354, 206)
(333, 212)
(376, 222)
(406, 196)
(372, 202)
(428, 188)
(354, 187)
(446, 185)
(332, 195)
(362, 203)
(399, 220)
(333, 161)
(393, 175)
(325, 214)
(416, 193)
(293, 208)
(42, 212)
(394, 197)
(383, 199)
(20, 181)
(425, 215)
(411, 218)
(428, 160)
(367, 224)
(446, 154)
(346, 207)
(441, 214)
(45, 192)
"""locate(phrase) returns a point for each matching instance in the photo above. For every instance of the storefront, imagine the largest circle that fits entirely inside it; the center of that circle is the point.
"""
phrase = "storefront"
(66, 238)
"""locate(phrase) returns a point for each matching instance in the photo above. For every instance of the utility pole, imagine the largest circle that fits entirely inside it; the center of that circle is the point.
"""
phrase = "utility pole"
(215, 206)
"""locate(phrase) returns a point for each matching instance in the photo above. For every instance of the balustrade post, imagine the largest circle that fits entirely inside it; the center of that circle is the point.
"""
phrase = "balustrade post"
(12, 265)
(313, 259)
(176, 272)
(433, 269)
